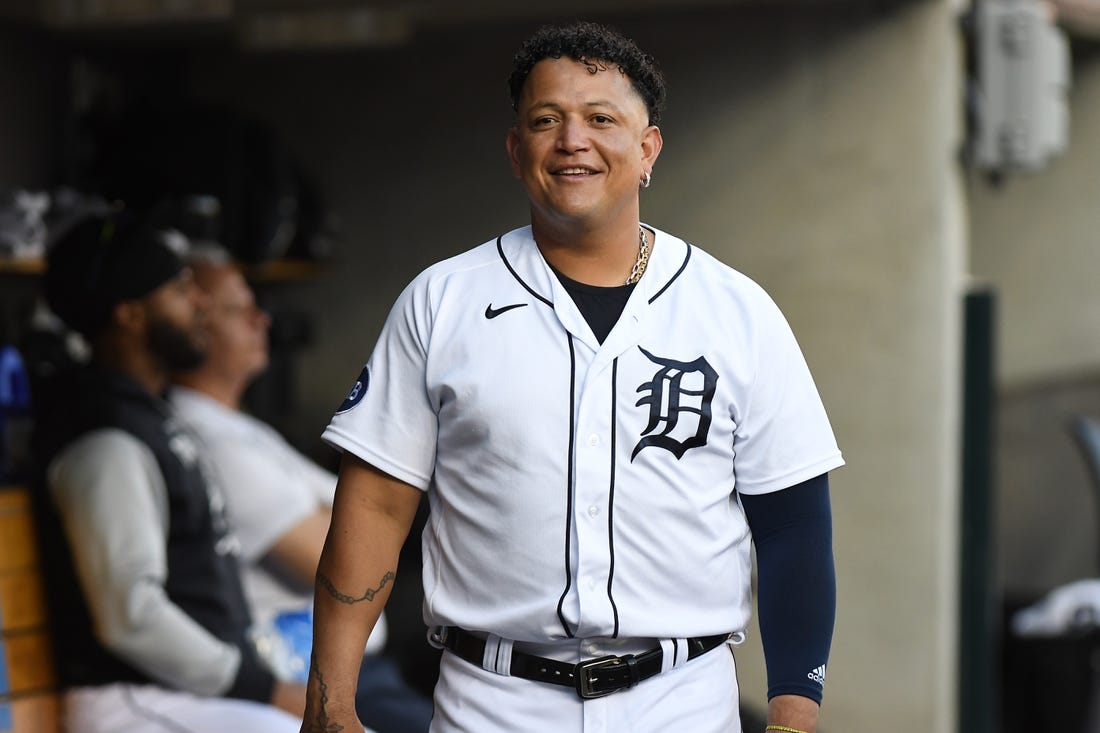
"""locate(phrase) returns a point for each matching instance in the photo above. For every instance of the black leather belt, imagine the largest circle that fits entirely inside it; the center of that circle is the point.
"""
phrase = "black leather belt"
(592, 678)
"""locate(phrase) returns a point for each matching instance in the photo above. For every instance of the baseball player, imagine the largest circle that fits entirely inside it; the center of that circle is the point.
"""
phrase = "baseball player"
(605, 418)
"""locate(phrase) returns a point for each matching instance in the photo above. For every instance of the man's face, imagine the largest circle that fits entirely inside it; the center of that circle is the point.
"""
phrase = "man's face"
(582, 141)
(237, 328)
(175, 316)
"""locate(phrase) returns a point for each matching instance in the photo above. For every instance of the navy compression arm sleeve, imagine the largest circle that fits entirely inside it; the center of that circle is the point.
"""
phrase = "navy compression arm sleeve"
(796, 584)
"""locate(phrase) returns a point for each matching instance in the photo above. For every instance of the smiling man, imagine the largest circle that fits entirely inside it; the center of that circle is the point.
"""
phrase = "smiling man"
(605, 420)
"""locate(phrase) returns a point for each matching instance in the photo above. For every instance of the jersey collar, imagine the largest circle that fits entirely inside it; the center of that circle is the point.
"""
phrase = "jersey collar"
(667, 261)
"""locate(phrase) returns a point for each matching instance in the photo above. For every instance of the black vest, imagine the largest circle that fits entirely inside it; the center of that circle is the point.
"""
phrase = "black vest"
(203, 576)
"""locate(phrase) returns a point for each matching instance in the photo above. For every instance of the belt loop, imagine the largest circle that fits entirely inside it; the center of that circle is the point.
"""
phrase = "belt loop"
(632, 668)
(504, 658)
(498, 655)
(669, 657)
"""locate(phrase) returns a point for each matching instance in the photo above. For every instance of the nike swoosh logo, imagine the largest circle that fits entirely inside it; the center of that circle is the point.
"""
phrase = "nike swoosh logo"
(491, 312)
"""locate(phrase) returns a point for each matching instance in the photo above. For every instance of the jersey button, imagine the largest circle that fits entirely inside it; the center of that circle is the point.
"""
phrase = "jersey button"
(593, 440)
(593, 511)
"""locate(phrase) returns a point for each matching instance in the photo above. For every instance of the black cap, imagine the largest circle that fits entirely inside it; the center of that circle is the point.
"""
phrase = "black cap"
(101, 261)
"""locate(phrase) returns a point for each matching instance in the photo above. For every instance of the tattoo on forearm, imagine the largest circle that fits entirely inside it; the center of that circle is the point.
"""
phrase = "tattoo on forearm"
(368, 595)
(322, 724)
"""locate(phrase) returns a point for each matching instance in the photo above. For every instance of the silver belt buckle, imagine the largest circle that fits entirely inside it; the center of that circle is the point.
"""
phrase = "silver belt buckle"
(586, 680)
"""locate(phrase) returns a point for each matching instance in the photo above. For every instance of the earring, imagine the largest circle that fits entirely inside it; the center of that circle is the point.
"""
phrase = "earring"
(646, 178)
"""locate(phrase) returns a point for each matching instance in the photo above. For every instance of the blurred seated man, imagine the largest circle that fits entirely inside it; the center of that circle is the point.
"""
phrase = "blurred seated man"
(279, 502)
(152, 630)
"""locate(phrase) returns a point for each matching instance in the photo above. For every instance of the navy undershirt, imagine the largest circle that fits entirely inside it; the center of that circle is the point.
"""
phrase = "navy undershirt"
(792, 532)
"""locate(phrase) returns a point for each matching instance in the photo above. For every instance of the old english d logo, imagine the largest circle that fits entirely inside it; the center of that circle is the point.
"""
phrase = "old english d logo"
(682, 414)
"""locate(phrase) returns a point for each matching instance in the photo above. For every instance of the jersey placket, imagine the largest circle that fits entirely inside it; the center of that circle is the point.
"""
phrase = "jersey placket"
(598, 452)
(599, 459)
(593, 506)
(588, 556)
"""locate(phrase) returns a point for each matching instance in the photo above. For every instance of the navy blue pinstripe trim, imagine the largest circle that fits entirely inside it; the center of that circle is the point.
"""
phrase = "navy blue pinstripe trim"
(611, 499)
(500, 250)
(568, 482)
(683, 266)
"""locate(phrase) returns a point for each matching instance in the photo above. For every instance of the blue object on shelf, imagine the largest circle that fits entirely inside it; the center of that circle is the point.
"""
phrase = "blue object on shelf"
(15, 413)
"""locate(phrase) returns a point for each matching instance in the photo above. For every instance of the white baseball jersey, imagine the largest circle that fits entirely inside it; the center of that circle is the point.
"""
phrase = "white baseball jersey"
(578, 489)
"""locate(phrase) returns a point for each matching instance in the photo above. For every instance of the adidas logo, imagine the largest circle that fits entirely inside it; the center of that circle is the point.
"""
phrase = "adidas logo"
(818, 675)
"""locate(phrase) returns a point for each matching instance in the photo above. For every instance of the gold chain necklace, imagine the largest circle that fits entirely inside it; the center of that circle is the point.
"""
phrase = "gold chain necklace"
(643, 258)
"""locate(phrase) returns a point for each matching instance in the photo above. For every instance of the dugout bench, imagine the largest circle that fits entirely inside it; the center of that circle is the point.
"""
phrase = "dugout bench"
(29, 701)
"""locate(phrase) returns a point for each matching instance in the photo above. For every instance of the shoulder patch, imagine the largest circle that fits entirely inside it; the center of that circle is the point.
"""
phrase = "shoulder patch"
(357, 391)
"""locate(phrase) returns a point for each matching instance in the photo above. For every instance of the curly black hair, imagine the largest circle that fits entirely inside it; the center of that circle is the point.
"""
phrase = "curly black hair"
(588, 42)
